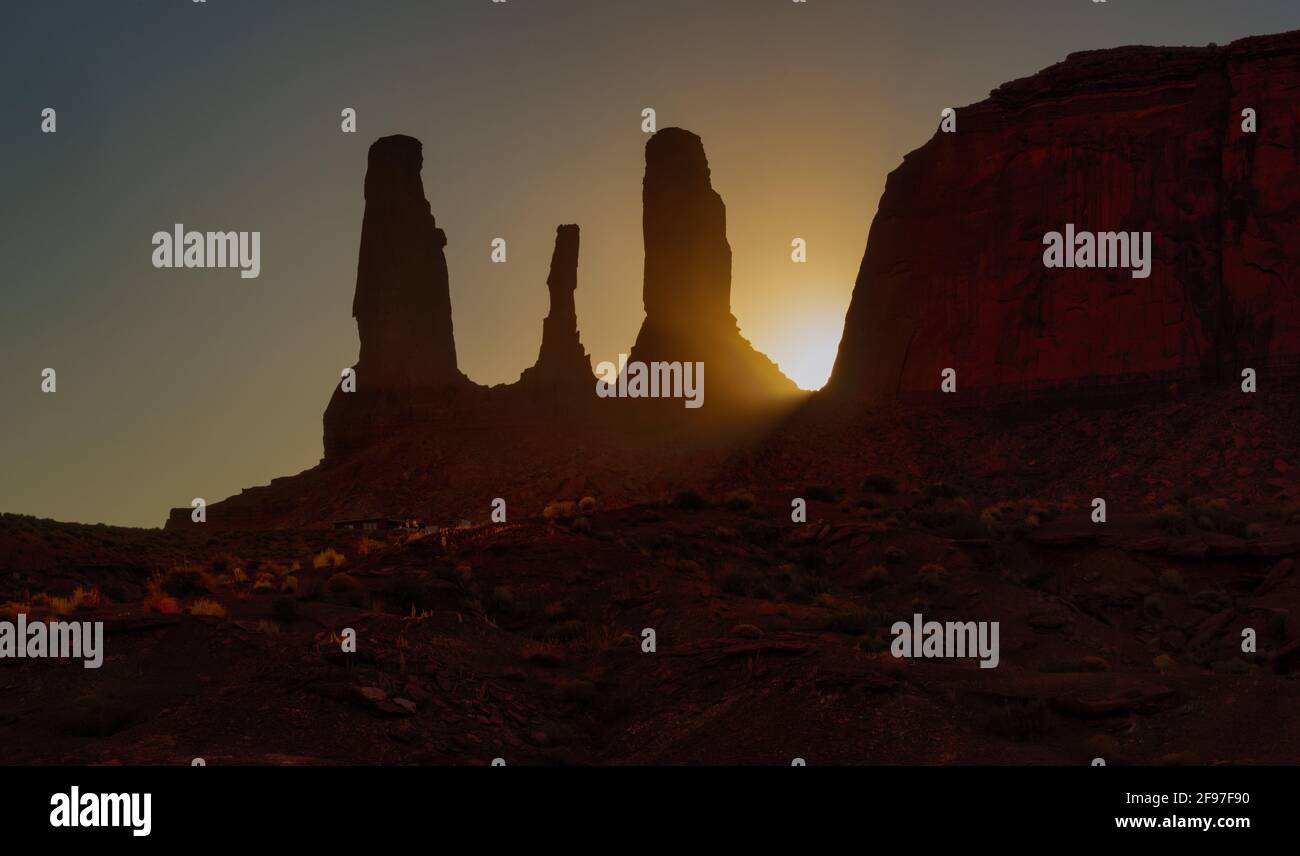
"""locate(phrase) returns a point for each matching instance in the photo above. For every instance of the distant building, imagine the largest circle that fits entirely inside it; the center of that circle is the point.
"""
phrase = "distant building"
(370, 524)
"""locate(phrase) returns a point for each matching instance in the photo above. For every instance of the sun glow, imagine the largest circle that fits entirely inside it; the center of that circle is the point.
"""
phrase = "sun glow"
(806, 347)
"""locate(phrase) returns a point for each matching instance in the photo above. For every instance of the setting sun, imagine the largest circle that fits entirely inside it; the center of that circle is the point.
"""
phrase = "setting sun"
(806, 348)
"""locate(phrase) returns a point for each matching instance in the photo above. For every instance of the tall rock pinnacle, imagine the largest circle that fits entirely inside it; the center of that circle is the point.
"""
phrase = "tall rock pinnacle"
(687, 257)
(561, 362)
(687, 287)
(407, 367)
(403, 302)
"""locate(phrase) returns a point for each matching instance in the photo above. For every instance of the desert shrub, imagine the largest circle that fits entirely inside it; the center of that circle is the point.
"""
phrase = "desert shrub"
(1020, 720)
(826, 600)
(560, 510)
(1216, 516)
(895, 555)
(875, 577)
(559, 609)
(289, 585)
(576, 692)
(852, 622)
(565, 631)
(207, 606)
(159, 601)
(587, 504)
(968, 526)
(857, 621)
(822, 493)
(879, 484)
(341, 583)
(81, 598)
(804, 588)
(1230, 667)
(689, 500)
(541, 654)
(1171, 580)
(932, 576)
(501, 601)
(1172, 520)
(183, 582)
(328, 558)
(739, 500)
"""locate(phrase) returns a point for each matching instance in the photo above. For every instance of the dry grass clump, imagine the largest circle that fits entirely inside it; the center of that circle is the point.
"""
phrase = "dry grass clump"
(157, 600)
(329, 558)
(80, 599)
(207, 606)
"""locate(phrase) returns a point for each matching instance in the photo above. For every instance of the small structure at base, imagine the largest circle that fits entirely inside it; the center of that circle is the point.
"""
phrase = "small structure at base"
(370, 524)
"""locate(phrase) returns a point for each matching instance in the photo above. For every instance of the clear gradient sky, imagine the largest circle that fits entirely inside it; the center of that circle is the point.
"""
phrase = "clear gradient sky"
(174, 384)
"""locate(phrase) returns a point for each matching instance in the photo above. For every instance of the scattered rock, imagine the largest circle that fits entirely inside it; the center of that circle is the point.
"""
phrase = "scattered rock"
(1048, 622)
(1276, 574)
(1212, 627)
(371, 695)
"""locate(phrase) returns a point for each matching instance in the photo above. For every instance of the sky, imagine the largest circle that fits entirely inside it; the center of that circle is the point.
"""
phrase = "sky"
(225, 115)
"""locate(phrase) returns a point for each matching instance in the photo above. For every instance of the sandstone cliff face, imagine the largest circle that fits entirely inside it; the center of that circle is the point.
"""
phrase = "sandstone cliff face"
(1134, 139)
(562, 367)
(687, 286)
